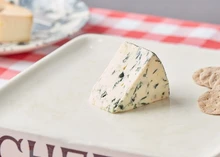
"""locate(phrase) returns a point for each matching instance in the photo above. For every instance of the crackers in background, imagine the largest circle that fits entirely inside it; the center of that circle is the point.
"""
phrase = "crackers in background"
(206, 76)
(209, 77)
(209, 102)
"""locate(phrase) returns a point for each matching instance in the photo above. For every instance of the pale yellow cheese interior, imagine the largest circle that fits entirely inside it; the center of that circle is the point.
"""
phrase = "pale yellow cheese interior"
(15, 23)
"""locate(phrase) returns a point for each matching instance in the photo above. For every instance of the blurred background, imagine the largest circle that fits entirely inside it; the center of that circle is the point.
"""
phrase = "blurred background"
(195, 10)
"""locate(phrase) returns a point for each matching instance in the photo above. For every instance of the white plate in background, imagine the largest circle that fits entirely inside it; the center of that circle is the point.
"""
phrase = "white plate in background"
(52, 23)
(51, 98)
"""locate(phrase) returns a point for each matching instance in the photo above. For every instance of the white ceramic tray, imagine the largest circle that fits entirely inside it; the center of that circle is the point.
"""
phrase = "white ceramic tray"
(51, 99)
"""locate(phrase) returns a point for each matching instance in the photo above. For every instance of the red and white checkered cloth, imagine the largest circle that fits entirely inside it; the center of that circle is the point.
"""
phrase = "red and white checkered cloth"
(127, 25)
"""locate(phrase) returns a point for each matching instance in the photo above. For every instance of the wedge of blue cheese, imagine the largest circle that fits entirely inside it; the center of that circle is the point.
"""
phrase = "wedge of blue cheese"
(134, 77)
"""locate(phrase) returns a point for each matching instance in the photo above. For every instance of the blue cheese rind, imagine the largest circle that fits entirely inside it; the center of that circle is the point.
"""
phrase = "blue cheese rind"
(135, 77)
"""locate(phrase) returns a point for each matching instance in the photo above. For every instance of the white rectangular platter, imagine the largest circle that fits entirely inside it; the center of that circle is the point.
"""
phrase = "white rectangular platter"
(51, 99)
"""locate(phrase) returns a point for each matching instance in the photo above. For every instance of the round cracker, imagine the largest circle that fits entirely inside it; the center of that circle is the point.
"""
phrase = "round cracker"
(209, 102)
(205, 77)
(202, 76)
(217, 85)
(196, 77)
(214, 78)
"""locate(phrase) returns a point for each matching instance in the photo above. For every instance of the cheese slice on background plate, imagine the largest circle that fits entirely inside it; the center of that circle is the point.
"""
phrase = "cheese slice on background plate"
(134, 77)
(15, 23)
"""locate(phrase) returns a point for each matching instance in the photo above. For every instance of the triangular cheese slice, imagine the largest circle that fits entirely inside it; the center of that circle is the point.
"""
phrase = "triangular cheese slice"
(135, 77)
(15, 23)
